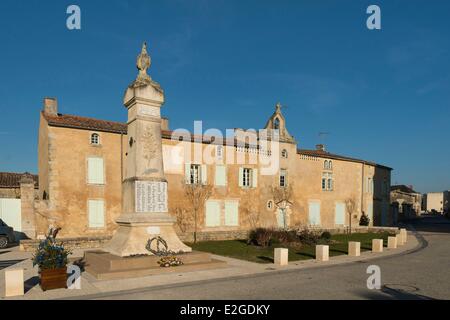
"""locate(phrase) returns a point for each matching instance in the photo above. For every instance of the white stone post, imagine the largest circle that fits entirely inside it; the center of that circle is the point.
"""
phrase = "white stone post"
(377, 245)
(322, 253)
(399, 239)
(14, 285)
(281, 256)
(404, 235)
(354, 249)
(392, 243)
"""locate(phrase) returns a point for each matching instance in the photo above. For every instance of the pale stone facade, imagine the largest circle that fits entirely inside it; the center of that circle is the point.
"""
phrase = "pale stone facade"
(64, 189)
(82, 170)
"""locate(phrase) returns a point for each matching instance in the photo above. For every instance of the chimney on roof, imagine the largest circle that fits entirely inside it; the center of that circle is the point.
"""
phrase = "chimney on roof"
(165, 124)
(51, 106)
(320, 147)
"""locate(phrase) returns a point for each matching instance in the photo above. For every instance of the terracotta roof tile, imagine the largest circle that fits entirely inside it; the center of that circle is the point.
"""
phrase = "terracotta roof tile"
(70, 121)
(77, 122)
(325, 154)
(12, 179)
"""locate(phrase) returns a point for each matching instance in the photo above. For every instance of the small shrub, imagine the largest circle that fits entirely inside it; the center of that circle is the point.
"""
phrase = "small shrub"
(284, 236)
(307, 236)
(364, 220)
(260, 237)
(325, 236)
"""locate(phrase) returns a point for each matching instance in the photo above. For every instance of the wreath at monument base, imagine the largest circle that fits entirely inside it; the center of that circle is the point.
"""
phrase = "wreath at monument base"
(168, 258)
(167, 262)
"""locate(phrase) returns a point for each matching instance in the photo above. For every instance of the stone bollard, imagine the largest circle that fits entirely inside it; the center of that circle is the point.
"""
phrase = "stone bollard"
(322, 253)
(14, 285)
(377, 245)
(392, 243)
(404, 235)
(354, 249)
(399, 239)
(281, 256)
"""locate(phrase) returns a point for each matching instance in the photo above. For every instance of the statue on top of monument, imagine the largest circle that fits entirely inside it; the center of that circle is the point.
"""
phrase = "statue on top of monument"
(143, 63)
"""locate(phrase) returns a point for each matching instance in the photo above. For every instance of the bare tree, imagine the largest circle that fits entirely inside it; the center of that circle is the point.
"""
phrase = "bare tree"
(351, 207)
(196, 194)
(250, 209)
(282, 197)
(183, 219)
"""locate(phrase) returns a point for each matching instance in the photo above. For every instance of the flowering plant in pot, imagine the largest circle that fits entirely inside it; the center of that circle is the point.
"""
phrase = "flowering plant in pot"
(52, 260)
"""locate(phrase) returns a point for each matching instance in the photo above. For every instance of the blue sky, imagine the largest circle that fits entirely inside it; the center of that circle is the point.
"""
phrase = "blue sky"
(382, 95)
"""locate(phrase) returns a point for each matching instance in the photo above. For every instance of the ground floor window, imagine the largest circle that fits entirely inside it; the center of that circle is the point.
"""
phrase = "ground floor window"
(96, 213)
(222, 213)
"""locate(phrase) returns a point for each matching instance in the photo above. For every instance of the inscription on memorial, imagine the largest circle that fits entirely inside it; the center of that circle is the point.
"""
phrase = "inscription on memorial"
(151, 196)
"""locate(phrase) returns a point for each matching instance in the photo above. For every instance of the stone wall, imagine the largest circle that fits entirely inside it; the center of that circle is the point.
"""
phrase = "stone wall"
(11, 193)
(214, 236)
(69, 243)
(98, 242)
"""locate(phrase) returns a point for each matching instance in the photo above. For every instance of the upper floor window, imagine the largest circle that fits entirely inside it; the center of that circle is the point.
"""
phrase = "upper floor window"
(248, 177)
(195, 174)
(219, 152)
(95, 139)
(327, 181)
(95, 170)
(284, 153)
(283, 178)
(327, 165)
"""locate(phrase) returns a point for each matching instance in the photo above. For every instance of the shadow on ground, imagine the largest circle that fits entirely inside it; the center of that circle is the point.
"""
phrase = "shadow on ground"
(390, 292)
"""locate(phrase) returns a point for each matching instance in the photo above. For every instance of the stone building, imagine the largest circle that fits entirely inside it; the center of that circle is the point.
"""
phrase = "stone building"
(437, 201)
(81, 168)
(406, 201)
(18, 192)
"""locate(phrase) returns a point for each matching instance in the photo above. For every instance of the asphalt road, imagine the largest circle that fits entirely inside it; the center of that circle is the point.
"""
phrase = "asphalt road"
(422, 274)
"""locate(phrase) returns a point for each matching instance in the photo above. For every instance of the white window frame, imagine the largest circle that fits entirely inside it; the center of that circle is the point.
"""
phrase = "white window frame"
(195, 174)
(327, 182)
(247, 177)
(283, 178)
(97, 137)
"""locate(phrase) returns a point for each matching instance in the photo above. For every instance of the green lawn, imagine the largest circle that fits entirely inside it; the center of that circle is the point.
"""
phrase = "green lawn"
(240, 250)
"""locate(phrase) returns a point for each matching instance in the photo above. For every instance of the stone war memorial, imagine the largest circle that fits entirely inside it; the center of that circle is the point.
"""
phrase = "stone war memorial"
(146, 237)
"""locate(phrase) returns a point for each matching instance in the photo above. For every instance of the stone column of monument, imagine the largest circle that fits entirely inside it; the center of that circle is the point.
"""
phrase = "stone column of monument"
(144, 189)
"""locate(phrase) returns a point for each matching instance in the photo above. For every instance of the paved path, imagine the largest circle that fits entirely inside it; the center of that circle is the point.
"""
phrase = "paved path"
(422, 274)
(417, 270)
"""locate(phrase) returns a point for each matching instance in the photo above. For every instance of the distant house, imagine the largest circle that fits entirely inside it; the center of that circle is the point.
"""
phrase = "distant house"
(406, 202)
(437, 201)
(17, 194)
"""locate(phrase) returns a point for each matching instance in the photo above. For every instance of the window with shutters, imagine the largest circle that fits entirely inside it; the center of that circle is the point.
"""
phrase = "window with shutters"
(221, 176)
(95, 171)
(231, 213)
(195, 174)
(246, 182)
(96, 213)
(248, 177)
(221, 213)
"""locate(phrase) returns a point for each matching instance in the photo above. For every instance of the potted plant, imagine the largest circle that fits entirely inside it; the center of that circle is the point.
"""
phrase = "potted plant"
(52, 260)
